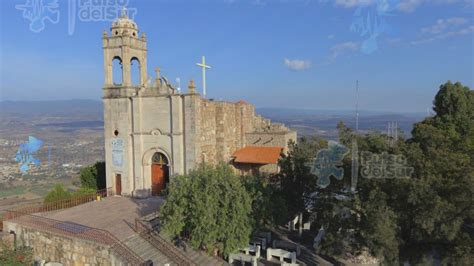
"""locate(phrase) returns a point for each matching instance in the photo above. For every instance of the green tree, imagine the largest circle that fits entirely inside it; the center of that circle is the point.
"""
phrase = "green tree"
(295, 183)
(93, 177)
(268, 207)
(398, 219)
(440, 198)
(211, 206)
(366, 219)
(57, 193)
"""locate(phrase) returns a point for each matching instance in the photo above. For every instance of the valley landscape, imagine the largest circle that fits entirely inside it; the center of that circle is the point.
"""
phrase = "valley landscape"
(72, 135)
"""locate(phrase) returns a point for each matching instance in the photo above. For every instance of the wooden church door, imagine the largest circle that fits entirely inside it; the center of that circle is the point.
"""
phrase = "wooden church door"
(118, 184)
(159, 173)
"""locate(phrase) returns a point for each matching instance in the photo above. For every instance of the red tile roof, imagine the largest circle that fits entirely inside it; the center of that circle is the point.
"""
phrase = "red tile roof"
(258, 155)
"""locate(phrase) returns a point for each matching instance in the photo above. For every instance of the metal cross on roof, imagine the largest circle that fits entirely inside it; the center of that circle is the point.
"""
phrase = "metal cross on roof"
(203, 66)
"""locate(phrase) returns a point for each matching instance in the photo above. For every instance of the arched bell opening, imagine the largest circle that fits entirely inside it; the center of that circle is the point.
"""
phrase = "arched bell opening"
(135, 71)
(117, 71)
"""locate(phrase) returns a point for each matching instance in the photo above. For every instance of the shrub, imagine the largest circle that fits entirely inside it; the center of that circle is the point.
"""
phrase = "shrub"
(57, 193)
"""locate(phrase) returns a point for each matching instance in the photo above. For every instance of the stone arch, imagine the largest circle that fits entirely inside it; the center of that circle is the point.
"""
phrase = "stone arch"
(117, 70)
(147, 166)
(135, 71)
(146, 158)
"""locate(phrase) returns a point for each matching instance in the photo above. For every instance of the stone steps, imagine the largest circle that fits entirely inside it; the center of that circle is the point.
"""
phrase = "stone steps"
(152, 219)
(197, 256)
(146, 251)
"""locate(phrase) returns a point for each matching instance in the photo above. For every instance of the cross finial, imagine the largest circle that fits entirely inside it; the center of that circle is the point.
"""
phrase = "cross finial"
(124, 12)
(191, 87)
(158, 76)
(158, 72)
(204, 66)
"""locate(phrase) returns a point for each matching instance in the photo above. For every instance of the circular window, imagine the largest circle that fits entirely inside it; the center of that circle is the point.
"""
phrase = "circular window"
(116, 133)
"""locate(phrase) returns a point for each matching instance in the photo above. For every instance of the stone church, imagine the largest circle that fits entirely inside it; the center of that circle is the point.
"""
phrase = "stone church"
(154, 132)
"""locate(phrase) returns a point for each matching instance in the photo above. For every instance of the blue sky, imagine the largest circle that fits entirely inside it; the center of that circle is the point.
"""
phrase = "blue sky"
(291, 54)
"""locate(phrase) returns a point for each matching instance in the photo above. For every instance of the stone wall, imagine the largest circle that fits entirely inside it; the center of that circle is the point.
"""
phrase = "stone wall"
(68, 251)
(280, 139)
(227, 127)
(208, 137)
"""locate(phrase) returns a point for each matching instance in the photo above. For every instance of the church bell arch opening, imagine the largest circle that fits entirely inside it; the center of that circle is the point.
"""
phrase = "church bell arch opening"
(117, 70)
(135, 71)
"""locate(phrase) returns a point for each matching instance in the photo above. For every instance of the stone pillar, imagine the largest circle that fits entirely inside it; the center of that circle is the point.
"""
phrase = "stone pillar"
(126, 70)
(300, 224)
(143, 74)
(158, 77)
(192, 129)
(191, 87)
(107, 61)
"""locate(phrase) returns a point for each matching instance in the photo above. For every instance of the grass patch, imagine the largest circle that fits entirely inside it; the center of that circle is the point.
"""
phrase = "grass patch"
(41, 189)
(12, 191)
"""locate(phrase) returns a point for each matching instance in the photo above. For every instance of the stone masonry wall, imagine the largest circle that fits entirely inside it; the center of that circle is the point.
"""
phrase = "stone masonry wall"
(65, 250)
(208, 140)
(227, 127)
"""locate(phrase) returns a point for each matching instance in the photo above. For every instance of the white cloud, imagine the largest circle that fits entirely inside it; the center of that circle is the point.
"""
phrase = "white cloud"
(449, 34)
(443, 24)
(403, 5)
(445, 28)
(342, 48)
(352, 3)
(411, 5)
(297, 64)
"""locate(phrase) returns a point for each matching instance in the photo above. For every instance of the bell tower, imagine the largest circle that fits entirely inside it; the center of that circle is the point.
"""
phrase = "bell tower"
(122, 111)
(124, 45)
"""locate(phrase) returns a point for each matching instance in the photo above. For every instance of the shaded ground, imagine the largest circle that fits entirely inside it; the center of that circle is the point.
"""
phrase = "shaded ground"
(114, 214)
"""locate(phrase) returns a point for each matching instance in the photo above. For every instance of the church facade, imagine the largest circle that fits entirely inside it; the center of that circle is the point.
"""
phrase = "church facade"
(154, 132)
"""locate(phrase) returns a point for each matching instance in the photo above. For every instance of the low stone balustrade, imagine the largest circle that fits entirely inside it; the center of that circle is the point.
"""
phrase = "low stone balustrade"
(292, 224)
(287, 245)
(252, 250)
(289, 264)
(281, 254)
(259, 241)
(266, 235)
(243, 258)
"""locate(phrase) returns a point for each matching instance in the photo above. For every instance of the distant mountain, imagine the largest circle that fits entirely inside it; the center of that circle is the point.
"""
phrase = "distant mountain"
(89, 113)
(324, 122)
(57, 108)
(283, 112)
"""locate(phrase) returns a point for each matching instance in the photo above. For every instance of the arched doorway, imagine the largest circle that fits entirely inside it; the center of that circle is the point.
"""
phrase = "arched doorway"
(159, 173)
